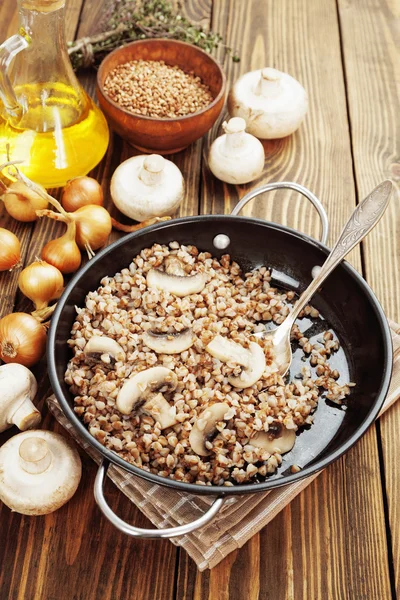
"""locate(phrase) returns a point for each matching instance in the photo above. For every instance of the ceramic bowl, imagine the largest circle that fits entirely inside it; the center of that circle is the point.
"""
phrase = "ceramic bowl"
(159, 135)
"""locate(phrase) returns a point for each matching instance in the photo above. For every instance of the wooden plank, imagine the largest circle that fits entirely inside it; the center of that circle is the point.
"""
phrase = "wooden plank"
(58, 554)
(318, 154)
(333, 534)
(372, 76)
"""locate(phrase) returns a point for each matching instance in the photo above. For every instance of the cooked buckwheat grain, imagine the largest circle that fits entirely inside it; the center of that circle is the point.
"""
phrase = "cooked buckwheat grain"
(232, 304)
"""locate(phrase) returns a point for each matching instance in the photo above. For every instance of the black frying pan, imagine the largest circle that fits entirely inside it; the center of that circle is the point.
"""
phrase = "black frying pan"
(346, 302)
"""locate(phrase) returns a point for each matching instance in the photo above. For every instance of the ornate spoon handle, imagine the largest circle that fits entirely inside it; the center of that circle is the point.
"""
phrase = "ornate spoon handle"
(363, 219)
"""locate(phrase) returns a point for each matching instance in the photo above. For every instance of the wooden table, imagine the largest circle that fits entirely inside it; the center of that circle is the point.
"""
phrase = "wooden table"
(340, 539)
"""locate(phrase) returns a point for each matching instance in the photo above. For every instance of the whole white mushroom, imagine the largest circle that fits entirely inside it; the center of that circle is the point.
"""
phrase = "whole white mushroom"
(236, 156)
(39, 472)
(18, 388)
(144, 187)
(272, 103)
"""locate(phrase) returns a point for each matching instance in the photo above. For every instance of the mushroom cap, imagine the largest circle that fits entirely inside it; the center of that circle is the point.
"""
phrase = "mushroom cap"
(139, 201)
(176, 284)
(269, 117)
(161, 411)
(168, 342)
(98, 345)
(241, 164)
(252, 360)
(228, 350)
(251, 374)
(138, 388)
(204, 427)
(17, 383)
(39, 493)
(282, 440)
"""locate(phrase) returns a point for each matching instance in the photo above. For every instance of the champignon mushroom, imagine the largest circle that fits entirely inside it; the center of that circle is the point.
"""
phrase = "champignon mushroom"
(205, 428)
(158, 407)
(168, 342)
(18, 387)
(139, 392)
(104, 350)
(251, 374)
(176, 284)
(228, 351)
(252, 360)
(39, 472)
(276, 439)
(173, 265)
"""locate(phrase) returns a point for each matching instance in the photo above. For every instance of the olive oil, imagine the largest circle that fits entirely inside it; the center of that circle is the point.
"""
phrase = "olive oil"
(61, 134)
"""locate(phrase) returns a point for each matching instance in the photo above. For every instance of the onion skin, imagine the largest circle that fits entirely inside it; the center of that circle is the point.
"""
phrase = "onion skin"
(93, 226)
(81, 191)
(22, 203)
(10, 250)
(41, 282)
(22, 339)
(63, 252)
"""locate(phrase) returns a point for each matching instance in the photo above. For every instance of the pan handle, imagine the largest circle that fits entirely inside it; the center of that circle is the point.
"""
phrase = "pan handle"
(292, 186)
(138, 532)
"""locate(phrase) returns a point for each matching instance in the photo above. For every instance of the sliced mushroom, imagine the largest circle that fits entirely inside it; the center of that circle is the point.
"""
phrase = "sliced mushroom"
(252, 360)
(205, 428)
(161, 411)
(176, 284)
(141, 387)
(276, 439)
(174, 266)
(169, 342)
(228, 351)
(104, 350)
(251, 374)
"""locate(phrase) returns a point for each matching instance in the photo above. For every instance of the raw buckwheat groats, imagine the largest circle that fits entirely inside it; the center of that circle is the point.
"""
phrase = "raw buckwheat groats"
(155, 89)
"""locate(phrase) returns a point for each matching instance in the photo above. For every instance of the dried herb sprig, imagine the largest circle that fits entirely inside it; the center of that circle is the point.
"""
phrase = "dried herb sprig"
(128, 20)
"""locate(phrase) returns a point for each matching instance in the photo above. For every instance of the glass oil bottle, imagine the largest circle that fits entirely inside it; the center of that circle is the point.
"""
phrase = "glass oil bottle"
(47, 121)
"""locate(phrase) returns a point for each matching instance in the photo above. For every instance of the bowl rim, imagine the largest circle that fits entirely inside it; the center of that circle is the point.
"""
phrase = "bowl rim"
(239, 489)
(215, 101)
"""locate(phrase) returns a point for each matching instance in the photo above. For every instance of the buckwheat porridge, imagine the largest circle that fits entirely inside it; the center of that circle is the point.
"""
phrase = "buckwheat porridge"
(167, 373)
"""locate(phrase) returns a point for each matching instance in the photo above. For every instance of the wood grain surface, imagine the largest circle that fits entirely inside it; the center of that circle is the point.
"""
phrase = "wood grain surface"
(372, 82)
(340, 538)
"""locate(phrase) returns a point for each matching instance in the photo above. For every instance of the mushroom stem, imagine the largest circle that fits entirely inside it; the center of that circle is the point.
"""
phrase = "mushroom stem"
(35, 456)
(151, 172)
(26, 416)
(236, 134)
(269, 83)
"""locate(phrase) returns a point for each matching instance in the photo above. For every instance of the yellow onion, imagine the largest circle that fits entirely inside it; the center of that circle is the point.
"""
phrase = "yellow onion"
(63, 252)
(81, 191)
(22, 203)
(22, 339)
(41, 282)
(93, 226)
(93, 222)
(10, 250)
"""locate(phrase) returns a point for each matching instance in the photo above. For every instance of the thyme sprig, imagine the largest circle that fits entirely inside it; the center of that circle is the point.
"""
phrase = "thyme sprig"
(129, 20)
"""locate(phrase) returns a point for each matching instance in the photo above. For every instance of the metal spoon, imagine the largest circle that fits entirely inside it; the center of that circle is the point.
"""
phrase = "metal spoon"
(363, 219)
